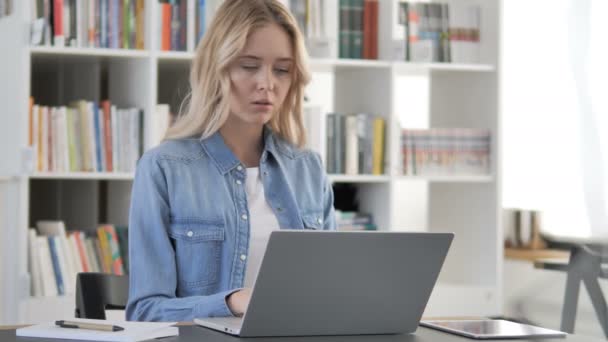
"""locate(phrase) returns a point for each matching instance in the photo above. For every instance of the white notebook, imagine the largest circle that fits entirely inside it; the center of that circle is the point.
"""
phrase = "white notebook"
(134, 331)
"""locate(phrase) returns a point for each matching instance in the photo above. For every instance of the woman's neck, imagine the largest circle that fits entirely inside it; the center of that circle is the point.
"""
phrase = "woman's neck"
(246, 141)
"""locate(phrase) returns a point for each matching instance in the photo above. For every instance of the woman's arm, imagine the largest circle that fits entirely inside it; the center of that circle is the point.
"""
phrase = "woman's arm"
(153, 275)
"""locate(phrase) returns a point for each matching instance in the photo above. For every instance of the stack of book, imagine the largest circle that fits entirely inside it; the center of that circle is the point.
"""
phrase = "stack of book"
(117, 24)
(445, 151)
(56, 257)
(85, 137)
(439, 32)
(358, 36)
(355, 144)
(354, 221)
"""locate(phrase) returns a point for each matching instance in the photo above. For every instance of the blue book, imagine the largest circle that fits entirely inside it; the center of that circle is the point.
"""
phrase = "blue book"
(56, 267)
(116, 34)
(98, 137)
(201, 19)
(103, 9)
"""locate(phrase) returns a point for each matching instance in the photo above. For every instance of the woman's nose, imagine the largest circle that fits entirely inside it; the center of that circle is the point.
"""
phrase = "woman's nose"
(266, 79)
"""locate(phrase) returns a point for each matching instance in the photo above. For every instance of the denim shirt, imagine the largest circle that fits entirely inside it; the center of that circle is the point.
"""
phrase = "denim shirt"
(189, 222)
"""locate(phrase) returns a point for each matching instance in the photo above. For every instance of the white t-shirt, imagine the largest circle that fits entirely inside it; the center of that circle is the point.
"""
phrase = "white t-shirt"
(262, 223)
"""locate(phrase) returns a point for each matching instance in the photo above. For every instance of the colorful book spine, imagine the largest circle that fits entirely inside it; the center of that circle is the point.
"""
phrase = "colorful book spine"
(105, 250)
(378, 149)
(200, 23)
(356, 29)
(58, 24)
(140, 15)
(113, 256)
(56, 266)
(345, 29)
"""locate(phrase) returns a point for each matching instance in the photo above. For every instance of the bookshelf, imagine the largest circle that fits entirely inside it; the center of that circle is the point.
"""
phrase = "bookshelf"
(406, 94)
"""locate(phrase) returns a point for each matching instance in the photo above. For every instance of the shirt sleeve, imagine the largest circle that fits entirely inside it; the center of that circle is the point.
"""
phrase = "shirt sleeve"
(329, 214)
(153, 274)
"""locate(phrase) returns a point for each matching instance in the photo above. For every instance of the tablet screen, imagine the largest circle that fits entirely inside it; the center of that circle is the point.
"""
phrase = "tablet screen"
(487, 329)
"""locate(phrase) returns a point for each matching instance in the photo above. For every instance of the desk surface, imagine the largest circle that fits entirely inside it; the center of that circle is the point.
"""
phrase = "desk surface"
(536, 254)
(197, 334)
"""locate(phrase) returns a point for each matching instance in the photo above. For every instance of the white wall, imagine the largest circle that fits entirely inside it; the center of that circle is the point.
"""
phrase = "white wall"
(555, 112)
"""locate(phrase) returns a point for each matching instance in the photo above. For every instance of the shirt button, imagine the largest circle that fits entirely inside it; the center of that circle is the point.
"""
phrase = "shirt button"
(319, 220)
(244, 217)
(265, 173)
(190, 233)
(243, 257)
(279, 209)
(238, 181)
(240, 168)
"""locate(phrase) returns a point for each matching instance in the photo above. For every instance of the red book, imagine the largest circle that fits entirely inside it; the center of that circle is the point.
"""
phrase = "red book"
(374, 30)
(81, 250)
(107, 139)
(166, 27)
(58, 37)
(367, 29)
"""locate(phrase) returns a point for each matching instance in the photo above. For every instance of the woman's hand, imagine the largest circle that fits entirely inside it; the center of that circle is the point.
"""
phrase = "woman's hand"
(238, 301)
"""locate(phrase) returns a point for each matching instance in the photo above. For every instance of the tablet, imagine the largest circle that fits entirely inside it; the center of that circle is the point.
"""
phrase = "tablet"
(491, 329)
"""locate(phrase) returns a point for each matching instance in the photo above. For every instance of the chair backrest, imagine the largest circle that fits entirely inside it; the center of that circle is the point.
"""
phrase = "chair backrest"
(96, 292)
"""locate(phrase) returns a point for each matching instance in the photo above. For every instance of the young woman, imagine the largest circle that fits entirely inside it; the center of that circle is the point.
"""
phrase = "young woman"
(230, 171)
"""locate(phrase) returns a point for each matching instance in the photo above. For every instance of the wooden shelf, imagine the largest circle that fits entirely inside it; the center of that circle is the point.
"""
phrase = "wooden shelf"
(83, 175)
(535, 254)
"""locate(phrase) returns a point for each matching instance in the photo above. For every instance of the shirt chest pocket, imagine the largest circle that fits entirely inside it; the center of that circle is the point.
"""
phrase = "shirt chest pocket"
(198, 246)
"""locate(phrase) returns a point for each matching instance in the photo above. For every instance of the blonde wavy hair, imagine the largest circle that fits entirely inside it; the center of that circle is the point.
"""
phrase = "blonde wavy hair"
(206, 107)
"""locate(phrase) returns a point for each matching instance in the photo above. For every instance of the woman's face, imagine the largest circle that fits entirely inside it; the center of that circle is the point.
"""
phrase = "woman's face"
(261, 76)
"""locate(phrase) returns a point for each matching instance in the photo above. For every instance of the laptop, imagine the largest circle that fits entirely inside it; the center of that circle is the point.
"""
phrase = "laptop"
(340, 283)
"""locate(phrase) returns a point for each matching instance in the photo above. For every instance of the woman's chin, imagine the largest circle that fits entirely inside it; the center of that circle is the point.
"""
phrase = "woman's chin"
(259, 117)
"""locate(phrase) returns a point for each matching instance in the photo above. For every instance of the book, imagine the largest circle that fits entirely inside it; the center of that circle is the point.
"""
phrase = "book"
(356, 29)
(56, 230)
(200, 20)
(351, 161)
(123, 244)
(58, 23)
(345, 29)
(133, 331)
(34, 265)
(378, 146)
(49, 283)
(110, 249)
(57, 269)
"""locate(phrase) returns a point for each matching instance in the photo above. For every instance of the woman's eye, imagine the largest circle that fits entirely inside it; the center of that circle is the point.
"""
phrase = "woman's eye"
(250, 67)
(281, 71)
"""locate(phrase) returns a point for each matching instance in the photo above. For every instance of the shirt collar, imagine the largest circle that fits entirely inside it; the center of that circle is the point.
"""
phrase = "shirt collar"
(225, 160)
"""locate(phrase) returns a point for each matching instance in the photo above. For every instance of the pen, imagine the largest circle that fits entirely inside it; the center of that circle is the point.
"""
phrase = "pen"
(89, 326)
